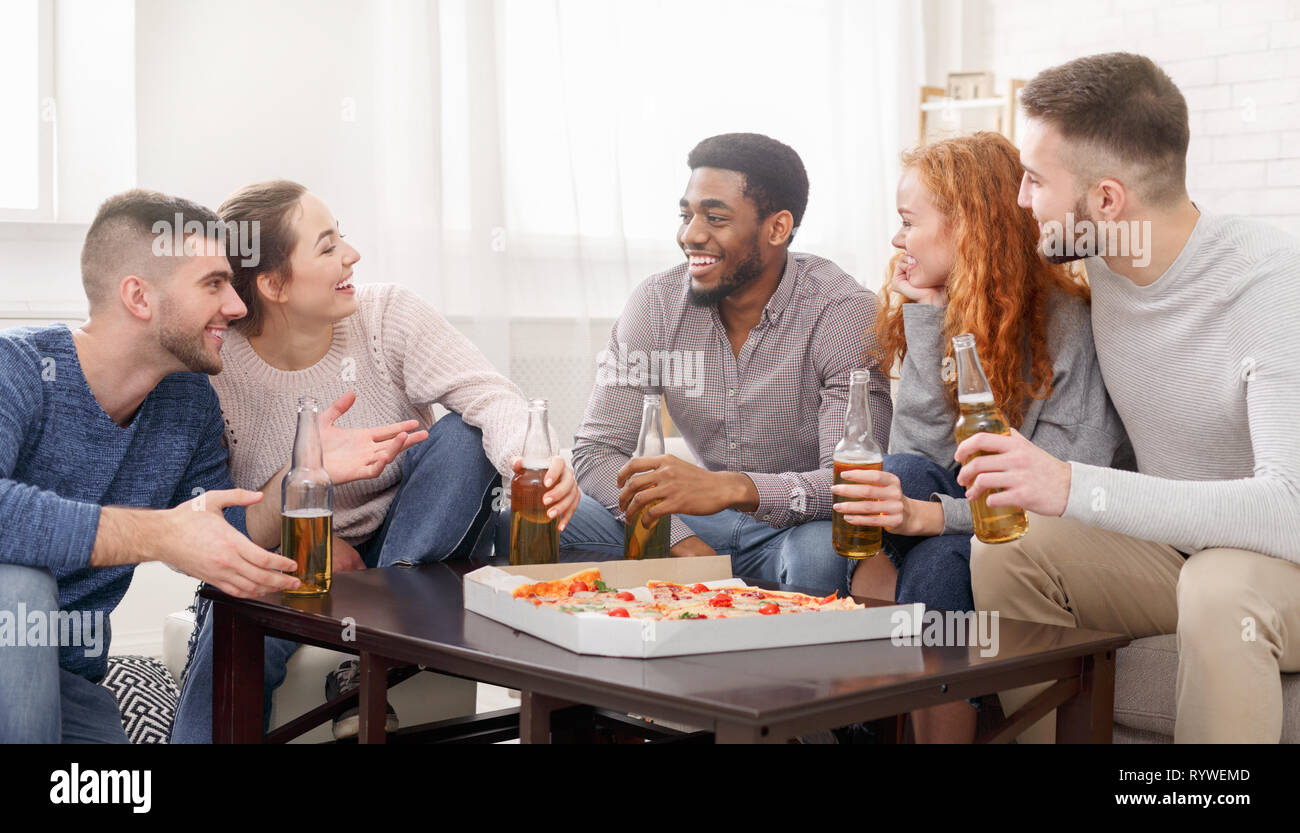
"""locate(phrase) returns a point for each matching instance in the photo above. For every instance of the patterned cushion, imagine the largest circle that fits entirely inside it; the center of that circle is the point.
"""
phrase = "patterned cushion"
(146, 695)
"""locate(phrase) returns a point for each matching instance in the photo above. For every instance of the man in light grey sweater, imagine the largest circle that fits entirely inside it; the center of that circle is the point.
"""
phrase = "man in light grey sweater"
(1194, 318)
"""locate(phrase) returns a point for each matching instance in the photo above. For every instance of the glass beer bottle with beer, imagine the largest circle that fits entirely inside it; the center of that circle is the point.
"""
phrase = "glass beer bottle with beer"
(858, 450)
(980, 414)
(534, 537)
(640, 541)
(307, 507)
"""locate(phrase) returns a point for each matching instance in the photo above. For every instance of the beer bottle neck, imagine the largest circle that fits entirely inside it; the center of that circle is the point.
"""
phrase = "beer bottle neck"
(650, 442)
(306, 441)
(857, 419)
(972, 384)
(307, 486)
(537, 439)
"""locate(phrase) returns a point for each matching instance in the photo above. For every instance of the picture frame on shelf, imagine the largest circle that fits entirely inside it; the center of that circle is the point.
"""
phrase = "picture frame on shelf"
(964, 86)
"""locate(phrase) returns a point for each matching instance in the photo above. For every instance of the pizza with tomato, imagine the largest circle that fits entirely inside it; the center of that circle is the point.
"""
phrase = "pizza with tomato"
(585, 592)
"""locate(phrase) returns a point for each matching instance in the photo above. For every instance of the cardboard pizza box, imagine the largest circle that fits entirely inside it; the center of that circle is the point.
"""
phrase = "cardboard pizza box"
(488, 593)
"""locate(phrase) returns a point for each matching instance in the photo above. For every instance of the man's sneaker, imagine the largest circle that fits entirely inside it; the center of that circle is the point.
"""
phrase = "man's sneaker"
(344, 680)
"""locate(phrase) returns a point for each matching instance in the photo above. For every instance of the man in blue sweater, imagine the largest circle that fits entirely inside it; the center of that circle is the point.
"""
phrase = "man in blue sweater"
(111, 454)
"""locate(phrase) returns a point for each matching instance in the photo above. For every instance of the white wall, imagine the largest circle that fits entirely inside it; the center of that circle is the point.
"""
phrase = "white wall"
(151, 93)
(209, 121)
(954, 38)
(93, 111)
(41, 275)
(1236, 61)
(94, 85)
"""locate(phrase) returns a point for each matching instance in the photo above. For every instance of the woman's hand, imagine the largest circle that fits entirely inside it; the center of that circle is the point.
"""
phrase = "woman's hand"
(562, 495)
(361, 453)
(345, 557)
(878, 500)
(936, 296)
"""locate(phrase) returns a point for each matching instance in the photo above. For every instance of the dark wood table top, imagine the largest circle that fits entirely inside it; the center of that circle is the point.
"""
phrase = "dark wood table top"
(412, 612)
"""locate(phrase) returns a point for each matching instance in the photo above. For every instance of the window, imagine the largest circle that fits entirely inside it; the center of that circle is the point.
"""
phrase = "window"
(598, 99)
(27, 127)
(568, 125)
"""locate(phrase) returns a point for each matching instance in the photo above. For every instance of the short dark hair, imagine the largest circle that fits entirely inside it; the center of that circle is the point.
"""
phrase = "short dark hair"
(775, 178)
(1123, 106)
(120, 239)
(272, 205)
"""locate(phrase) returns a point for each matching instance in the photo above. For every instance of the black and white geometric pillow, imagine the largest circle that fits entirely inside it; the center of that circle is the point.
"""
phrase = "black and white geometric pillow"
(146, 695)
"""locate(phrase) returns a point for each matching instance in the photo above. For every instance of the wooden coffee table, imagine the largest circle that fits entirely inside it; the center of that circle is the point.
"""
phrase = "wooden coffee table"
(414, 616)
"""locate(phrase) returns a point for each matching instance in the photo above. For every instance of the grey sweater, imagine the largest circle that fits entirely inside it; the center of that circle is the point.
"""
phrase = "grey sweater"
(1077, 422)
(1204, 368)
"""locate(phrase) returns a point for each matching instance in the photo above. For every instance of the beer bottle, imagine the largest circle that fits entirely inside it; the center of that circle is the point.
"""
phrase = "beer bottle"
(858, 450)
(640, 541)
(307, 507)
(993, 524)
(534, 537)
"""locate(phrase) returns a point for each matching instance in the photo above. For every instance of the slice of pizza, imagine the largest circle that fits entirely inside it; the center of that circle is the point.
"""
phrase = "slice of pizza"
(667, 591)
(839, 604)
(581, 581)
(801, 599)
(613, 608)
(735, 602)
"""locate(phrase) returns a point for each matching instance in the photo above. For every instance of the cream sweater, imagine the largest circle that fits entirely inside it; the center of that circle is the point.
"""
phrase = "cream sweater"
(1204, 368)
(400, 356)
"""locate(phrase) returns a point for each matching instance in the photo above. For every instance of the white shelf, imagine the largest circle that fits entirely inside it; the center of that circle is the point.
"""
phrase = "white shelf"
(959, 104)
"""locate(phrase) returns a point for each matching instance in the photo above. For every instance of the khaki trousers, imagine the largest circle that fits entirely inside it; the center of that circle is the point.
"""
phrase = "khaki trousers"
(1236, 613)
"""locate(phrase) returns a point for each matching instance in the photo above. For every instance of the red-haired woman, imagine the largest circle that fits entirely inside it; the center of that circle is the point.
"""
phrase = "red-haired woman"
(969, 263)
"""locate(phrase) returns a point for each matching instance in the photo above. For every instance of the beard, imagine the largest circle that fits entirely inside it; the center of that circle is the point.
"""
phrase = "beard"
(742, 276)
(188, 348)
(1046, 245)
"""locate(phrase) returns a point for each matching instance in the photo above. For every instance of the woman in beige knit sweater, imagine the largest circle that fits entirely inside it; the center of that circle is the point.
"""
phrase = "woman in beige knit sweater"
(310, 331)
(383, 357)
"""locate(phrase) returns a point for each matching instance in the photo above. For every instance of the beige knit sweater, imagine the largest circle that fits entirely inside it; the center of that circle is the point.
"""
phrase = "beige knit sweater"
(400, 356)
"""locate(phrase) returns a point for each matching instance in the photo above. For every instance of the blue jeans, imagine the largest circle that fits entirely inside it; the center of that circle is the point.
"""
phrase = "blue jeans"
(39, 701)
(934, 570)
(799, 556)
(440, 508)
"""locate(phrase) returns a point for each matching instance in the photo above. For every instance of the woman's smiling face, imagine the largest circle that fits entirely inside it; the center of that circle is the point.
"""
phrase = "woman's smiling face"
(924, 234)
(321, 266)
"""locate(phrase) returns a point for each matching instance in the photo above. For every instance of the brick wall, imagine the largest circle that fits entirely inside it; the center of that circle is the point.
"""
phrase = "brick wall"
(1236, 61)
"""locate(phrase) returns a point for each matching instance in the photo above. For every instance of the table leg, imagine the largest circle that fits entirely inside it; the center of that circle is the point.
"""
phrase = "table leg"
(237, 680)
(535, 716)
(1088, 716)
(372, 709)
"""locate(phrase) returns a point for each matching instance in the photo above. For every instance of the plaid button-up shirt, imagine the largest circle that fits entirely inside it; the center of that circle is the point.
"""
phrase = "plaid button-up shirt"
(774, 412)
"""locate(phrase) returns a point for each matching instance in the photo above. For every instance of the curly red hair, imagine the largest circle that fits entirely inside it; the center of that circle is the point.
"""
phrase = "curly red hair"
(999, 285)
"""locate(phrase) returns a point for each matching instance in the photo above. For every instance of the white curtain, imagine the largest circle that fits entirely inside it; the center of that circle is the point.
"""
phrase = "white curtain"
(531, 154)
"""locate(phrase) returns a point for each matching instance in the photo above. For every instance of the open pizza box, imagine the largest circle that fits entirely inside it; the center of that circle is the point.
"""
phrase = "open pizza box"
(488, 593)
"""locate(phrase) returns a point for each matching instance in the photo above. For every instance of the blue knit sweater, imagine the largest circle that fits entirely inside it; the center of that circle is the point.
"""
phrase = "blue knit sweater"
(62, 458)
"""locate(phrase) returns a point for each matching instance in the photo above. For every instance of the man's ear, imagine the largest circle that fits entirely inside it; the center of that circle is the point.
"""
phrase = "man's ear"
(1111, 199)
(780, 226)
(136, 296)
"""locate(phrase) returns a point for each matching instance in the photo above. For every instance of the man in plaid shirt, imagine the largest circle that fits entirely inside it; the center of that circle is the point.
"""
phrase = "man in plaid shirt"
(772, 336)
